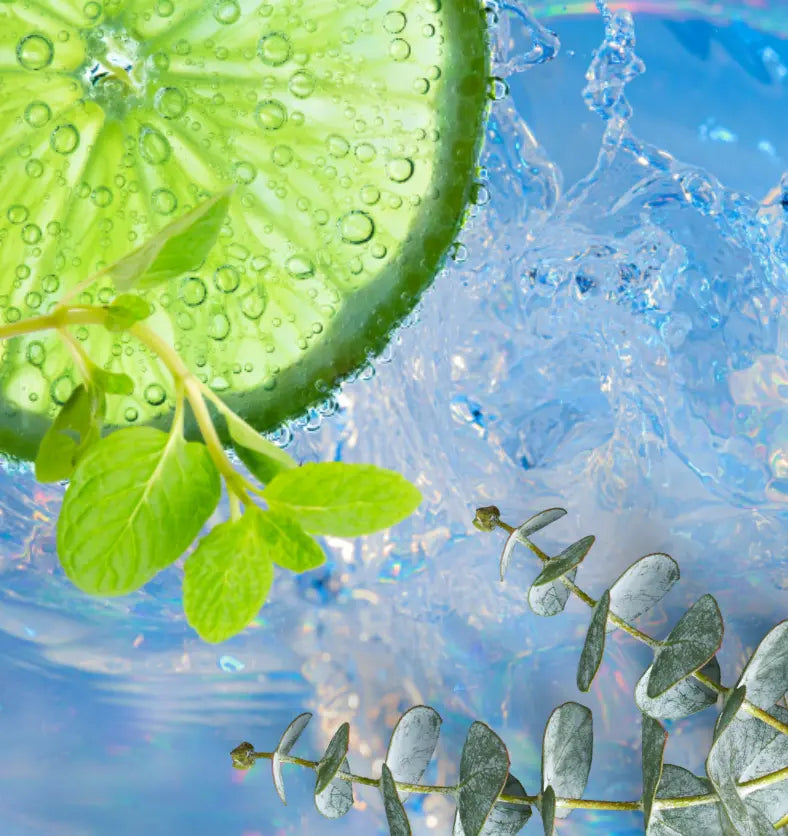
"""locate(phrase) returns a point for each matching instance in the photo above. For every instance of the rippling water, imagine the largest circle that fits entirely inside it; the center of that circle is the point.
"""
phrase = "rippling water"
(610, 337)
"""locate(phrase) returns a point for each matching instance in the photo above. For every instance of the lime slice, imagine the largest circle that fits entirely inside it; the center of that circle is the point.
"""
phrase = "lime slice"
(352, 129)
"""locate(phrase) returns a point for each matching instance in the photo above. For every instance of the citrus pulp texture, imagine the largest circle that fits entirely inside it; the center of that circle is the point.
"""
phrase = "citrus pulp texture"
(351, 129)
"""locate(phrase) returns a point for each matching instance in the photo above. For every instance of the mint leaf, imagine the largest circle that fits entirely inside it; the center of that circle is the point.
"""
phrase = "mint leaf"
(345, 500)
(125, 310)
(137, 499)
(178, 248)
(113, 383)
(76, 427)
(227, 578)
(263, 458)
(289, 546)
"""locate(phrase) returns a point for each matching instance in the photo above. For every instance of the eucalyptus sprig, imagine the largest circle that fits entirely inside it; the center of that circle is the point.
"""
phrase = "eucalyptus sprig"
(745, 790)
(138, 497)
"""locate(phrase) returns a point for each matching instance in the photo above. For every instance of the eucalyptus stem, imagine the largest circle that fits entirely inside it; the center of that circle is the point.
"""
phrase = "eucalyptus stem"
(569, 803)
(489, 521)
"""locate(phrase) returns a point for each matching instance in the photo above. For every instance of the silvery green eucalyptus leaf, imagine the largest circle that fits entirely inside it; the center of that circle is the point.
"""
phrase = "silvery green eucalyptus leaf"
(692, 642)
(567, 749)
(767, 751)
(684, 698)
(505, 819)
(413, 743)
(521, 533)
(766, 674)
(594, 646)
(395, 813)
(550, 599)
(286, 743)
(641, 586)
(337, 798)
(562, 563)
(677, 782)
(730, 708)
(484, 767)
(332, 758)
(548, 811)
(653, 739)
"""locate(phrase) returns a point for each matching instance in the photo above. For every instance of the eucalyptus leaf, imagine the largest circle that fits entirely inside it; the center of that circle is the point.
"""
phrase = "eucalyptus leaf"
(686, 697)
(484, 768)
(75, 429)
(653, 740)
(730, 708)
(551, 598)
(345, 500)
(263, 458)
(178, 248)
(521, 534)
(125, 310)
(766, 751)
(677, 782)
(286, 743)
(506, 818)
(548, 811)
(567, 749)
(729, 752)
(692, 642)
(413, 743)
(766, 674)
(337, 798)
(137, 499)
(562, 563)
(395, 813)
(594, 646)
(228, 576)
(287, 544)
(641, 586)
(331, 761)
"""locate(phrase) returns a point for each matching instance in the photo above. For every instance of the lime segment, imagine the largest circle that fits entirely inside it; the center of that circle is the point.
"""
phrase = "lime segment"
(351, 129)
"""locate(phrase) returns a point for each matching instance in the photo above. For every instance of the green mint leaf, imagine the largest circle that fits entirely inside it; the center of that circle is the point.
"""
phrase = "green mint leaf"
(137, 499)
(125, 310)
(76, 427)
(263, 458)
(227, 578)
(113, 383)
(178, 248)
(341, 499)
(288, 545)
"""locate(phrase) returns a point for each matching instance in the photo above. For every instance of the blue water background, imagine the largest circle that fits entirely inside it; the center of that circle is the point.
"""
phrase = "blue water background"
(611, 337)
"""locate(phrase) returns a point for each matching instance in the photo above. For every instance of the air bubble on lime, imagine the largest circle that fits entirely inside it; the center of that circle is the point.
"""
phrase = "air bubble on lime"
(270, 114)
(274, 49)
(164, 201)
(399, 169)
(170, 102)
(35, 52)
(356, 227)
(154, 147)
(64, 139)
(37, 114)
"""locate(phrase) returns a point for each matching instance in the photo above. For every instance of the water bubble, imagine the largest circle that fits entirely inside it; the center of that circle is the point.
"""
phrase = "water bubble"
(218, 326)
(37, 114)
(193, 291)
(458, 252)
(61, 389)
(35, 52)
(92, 10)
(226, 12)
(480, 194)
(421, 86)
(274, 49)
(36, 353)
(300, 267)
(50, 283)
(131, 414)
(394, 22)
(160, 60)
(302, 84)
(369, 195)
(182, 47)
(497, 89)
(164, 8)
(245, 172)
(155, 394)
(226, 278)
(338, 146)
(433, 6)
(17, 213)
(184, 320)
(399, 169)
(253, 304)
(33, 300)
(282, 155)
(31, 234)
(154, 146)
(378, 251)
(171, 102)
(356, 227)
(34, 168)
(270, 114)
(365, 152)
(64, 139)
(399, 49)
(101, 196)
(164, 201)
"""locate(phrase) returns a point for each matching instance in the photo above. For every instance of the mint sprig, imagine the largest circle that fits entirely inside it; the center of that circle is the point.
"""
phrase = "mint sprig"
(138, 497)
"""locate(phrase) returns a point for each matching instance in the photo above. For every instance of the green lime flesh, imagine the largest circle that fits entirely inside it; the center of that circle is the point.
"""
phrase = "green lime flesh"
(352, 130)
